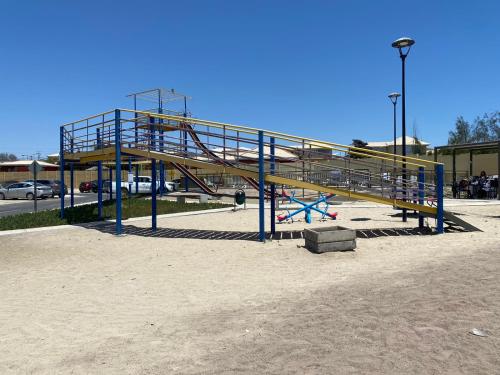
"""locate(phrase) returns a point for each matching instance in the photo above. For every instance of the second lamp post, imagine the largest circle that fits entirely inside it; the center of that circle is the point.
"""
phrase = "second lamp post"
(394, 99)
(404, 46)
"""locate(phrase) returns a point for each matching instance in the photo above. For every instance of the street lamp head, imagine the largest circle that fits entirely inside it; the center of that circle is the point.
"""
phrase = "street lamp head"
(394, 97)
(402, 43)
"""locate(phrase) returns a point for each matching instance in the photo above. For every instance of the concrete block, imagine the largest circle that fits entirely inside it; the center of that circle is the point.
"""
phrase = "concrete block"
(330, 246)
(329, 234)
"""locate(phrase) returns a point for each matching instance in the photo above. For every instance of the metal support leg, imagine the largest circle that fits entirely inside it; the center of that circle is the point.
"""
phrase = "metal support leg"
(186, 178)
(72, 184)
(129, 172)
(421, 193)
(262, 232)
(99, 178)
(137, 179)
(273, 187)
(110, 183)
(118, 177)
(440, 196)
(454, 172)
(162, 164)
(72, 178)
(136, 145)
(153, 194)
(153, 181)
(61, 169)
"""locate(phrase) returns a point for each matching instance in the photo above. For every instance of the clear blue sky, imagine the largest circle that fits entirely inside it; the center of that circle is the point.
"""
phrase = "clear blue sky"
(320, 69)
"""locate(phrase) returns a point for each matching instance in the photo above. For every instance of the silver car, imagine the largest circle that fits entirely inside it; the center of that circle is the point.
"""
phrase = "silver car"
(25, 190)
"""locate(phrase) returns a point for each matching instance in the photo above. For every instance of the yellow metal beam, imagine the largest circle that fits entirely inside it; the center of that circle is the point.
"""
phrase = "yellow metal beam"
(350, 194)
(103, 157)
(282, 180)
(86, 154)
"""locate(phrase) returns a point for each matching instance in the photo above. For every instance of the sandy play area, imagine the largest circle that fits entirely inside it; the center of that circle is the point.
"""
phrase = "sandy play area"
(82, 301)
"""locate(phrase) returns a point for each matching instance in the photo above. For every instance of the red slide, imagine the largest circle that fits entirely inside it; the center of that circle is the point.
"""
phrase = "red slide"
(218, 159)
(186, 172)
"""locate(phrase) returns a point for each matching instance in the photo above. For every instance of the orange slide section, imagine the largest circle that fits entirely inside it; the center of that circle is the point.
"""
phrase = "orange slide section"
(252, 182)
(201, 184)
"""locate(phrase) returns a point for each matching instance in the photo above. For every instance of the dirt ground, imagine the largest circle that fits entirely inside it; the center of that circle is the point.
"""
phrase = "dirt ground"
(82, 301)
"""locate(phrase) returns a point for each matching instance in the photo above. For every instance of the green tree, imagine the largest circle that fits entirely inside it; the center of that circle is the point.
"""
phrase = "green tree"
(418, 148)
(462, 132)
(494, 125)
(483, 129)
(358, 143)
(5, 156)
(480, 130)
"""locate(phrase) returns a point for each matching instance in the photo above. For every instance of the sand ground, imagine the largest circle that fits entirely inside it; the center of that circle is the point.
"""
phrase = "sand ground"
(81, 301)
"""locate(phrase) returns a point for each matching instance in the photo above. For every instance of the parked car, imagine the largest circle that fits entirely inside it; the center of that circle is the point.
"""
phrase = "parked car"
(105, 186)
(25, 190)
(55, 185)
(85, 186)
(144, 185)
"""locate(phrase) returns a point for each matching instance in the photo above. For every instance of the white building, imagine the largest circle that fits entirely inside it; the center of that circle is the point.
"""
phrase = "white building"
(413, 146)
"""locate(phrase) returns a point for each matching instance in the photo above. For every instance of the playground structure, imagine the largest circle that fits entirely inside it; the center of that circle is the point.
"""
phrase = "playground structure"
(264, 159)
(307, 207)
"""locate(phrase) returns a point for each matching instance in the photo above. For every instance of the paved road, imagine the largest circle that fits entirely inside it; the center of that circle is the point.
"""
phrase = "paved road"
(12, 206)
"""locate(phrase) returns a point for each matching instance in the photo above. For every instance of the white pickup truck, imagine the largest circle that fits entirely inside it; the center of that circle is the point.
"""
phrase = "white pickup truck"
(144, 185)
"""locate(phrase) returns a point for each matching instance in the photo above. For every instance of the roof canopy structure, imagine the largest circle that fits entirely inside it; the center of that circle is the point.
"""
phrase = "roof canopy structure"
(470, 148)
(492, 145)
(26, 163)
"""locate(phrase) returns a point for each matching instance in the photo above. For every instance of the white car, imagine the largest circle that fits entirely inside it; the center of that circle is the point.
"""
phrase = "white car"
(144, 185)
(25, 190)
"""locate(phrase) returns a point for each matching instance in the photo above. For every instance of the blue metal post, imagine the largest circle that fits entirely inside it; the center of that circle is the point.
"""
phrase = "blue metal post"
(61, 168)
(186, 178)
(421, 193)
(72, 179)
(110, 183)
(262, 232)
(273, 188)
(162, 164)
(153, 176)
(129, 172)
(153, 194)
(440, 197)
(136, 134)
(99, 178)
(137, 179)
(118, 177)
(72, 184)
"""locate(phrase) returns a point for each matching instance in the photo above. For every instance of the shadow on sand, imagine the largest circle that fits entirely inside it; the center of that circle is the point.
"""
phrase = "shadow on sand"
(248, 236)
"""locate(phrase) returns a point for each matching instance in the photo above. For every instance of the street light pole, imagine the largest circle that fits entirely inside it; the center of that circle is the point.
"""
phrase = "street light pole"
(404, 46)
(393, 96)
(394, 99)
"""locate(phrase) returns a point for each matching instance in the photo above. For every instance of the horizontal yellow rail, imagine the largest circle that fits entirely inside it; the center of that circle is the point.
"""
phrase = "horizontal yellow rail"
(334, 146)
(89, 118)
